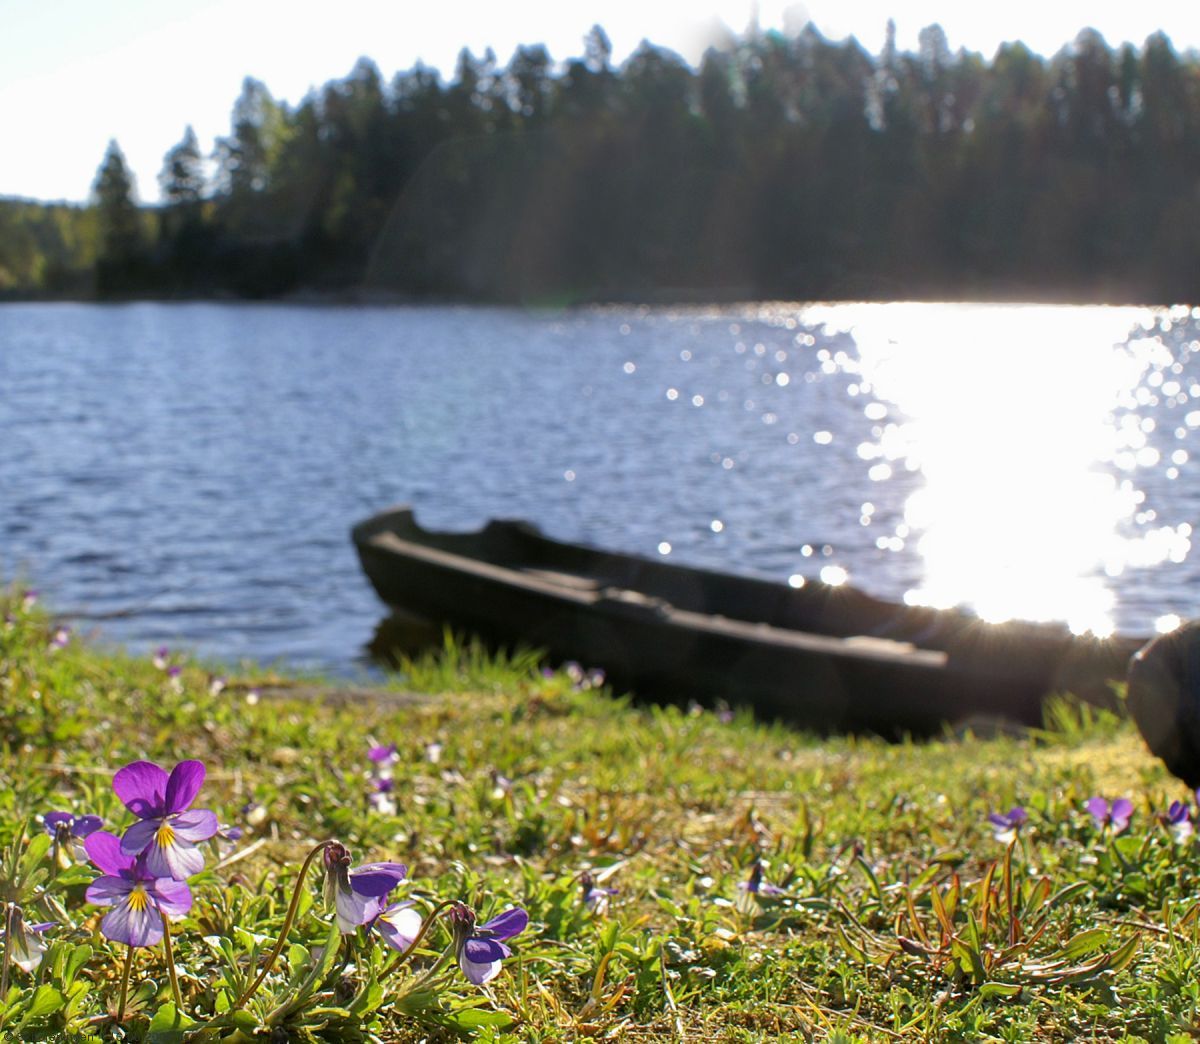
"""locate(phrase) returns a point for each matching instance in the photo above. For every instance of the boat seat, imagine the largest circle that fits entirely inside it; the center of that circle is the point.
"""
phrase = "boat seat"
(572, 580)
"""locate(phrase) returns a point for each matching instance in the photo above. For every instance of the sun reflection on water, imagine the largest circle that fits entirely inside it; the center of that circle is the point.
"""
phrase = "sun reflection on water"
(1028, 426)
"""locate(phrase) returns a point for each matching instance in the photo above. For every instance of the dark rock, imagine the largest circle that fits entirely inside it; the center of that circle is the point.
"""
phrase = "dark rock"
(1164, 699)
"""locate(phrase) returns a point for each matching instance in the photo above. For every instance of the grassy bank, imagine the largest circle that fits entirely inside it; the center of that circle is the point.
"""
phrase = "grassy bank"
(886, 906)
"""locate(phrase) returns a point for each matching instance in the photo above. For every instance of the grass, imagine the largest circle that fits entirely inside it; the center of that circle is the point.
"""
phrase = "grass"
(900, 917)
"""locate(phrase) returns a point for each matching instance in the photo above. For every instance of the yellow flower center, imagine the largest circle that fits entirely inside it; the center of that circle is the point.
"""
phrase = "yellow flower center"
(138, 899)
(164, 836)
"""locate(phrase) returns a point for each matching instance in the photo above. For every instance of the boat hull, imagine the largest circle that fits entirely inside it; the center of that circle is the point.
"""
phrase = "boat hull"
(831, 659)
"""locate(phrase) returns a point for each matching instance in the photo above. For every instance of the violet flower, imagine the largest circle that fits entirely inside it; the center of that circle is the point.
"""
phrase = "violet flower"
(26, 947)
(756, 885)
(357, 896)
(398, 925)
(68, 831)
(1007, 825)
(168, 832)
(480, 948)
(383, 754)
(594, 896)
(138, 898)
(1178, 821)
(1116, 815)
(64, 825)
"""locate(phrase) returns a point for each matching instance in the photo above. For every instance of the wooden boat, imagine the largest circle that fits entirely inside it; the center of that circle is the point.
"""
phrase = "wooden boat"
(829, 658)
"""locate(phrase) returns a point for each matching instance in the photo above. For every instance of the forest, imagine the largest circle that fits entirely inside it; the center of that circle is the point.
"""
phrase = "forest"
(783, 166)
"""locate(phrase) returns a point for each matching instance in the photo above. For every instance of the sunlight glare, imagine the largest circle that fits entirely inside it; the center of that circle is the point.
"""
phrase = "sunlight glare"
(1008, 413)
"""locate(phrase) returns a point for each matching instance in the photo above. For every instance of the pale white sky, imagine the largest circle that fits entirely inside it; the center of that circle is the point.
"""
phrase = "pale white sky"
(75, 73)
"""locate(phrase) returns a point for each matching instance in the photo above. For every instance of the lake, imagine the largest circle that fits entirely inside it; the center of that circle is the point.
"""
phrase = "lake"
(187, 474)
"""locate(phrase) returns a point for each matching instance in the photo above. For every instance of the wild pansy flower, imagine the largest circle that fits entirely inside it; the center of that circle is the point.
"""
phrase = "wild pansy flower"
(226, 839)
(25, 945)
(68, 831)
(383, 754)
(479, 949)
(167, 832)
(161, 657)
(1116, 815)
(592, 895)
(380, 798)
(1178, 821)
(61, 638)
(1006, 825)
(756, 885)
(138, 898)
(358, 895)
(398, 925)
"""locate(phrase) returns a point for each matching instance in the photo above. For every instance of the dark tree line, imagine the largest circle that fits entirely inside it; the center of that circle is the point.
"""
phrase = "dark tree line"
(785, 165)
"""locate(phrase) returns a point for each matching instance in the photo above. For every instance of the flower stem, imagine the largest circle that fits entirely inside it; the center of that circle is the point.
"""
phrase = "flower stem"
(8, 945)
(411, 947)
(169, 956)
(125, 985)
(283, 933)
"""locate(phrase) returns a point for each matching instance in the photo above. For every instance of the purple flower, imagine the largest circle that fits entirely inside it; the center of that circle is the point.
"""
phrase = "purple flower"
(357, 896)
(398, 925)
(138, 898)
(593, 896)
(480, 948)
(26, 947)
(68, 831)
(1006, 825)
(29, 598)
(161, 655)
(1178, 821)
(755, 884)
(168, 832)
(384, 753)
(61, 638)
(65, 825)
(1116, 815)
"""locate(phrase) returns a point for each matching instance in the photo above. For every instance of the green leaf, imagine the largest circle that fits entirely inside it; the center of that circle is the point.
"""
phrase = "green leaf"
(1084, 943)
(478, 1018)
(35, 852)
(999, 989)
(168, 1025)
(78, 957)
(245, 1020)
(46, 1001)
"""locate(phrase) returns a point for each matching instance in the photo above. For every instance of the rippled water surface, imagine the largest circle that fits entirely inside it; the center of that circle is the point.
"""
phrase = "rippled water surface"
(188, 474)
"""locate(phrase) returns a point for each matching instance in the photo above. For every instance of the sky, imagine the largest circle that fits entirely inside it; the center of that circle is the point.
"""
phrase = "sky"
(76, 73)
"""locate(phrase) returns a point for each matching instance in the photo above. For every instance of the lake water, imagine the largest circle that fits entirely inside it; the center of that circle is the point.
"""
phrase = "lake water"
(187, 474)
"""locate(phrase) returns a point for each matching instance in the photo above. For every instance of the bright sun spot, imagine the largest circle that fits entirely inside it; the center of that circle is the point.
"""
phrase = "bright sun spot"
(1008, 413)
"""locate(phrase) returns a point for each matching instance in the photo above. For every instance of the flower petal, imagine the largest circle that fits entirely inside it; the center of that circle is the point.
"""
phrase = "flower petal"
(173, 897)
(183, 785)
(139, 837)
(51, 820)
(506, 925)
(141, 787)
(1098, 808)
(399, 925)
(141, 927)
(377, 879)
(85, 825)
(1122, 810)
(177, 858)
(484, 951)
(104, 849)
(197, 825)
(106, 890)
(353, 909)
(478, 973)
